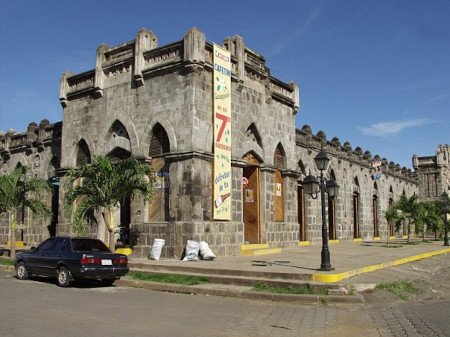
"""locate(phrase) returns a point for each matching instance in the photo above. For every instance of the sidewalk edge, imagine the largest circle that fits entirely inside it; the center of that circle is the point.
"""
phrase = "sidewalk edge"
(332, 278)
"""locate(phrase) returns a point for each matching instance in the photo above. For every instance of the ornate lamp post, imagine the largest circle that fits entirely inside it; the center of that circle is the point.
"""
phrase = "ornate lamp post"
(445, 207)
(311, 186)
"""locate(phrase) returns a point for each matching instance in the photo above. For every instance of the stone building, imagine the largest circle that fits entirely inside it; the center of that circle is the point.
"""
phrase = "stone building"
(156, 103)
(433, 173)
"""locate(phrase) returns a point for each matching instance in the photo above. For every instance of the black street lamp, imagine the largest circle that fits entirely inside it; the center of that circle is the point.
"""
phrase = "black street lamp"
(445, 207)
(311, 186)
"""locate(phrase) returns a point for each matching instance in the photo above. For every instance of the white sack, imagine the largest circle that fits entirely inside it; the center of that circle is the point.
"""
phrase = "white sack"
(192, 248)
(155, 252)
(206, 252)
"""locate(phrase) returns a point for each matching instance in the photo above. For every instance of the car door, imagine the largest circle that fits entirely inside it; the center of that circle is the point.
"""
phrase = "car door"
(36, 260)
(52, 255)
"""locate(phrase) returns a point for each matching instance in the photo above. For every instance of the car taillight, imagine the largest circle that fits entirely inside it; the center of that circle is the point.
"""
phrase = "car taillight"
(121, 260)
(90, 260)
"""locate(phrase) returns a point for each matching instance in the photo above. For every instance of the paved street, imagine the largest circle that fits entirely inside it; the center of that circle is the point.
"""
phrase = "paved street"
(40, 308)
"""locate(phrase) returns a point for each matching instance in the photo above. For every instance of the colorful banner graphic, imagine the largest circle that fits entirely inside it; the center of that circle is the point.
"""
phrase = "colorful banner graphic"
(222, 134)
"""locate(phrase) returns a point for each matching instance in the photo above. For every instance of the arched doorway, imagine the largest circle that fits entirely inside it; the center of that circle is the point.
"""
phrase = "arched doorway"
(125, 206)
(375, 203)
(119, 140)
(356, 210)
(390, 204)
(158, 206)
(54, 182)
(251, 199)
(332, 212)
(301, 204)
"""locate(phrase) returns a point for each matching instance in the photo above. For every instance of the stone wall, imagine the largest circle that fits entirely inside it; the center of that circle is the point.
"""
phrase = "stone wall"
(353, 172)
(39, 148)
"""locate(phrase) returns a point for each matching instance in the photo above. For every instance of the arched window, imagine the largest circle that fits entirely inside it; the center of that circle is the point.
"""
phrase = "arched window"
(119, 130)
(159, 143)
(253, 134)
(158, 209)
(83, 153)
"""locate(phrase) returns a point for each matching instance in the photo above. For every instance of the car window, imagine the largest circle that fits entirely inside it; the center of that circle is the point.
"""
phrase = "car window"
(65, 248)
(88, 245)
(50, 245)
(44, 246)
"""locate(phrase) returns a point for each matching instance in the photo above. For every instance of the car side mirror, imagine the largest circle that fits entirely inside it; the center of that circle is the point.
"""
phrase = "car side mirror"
(33, 248)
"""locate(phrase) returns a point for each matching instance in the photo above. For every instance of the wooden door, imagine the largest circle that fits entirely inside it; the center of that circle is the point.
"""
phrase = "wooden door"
(356, 215)
(251, 205)
(331, 218)
(301, 213)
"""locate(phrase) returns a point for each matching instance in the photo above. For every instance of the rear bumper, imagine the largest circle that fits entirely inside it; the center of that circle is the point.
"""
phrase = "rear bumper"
(99, 273)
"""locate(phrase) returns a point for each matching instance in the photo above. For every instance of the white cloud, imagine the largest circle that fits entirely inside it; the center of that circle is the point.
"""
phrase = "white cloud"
(438, 98)
(297, 33)
(386, 129)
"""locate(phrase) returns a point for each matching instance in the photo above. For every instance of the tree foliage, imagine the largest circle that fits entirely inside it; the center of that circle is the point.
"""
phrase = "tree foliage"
(18, 190)
(422, 215)
(101, 187)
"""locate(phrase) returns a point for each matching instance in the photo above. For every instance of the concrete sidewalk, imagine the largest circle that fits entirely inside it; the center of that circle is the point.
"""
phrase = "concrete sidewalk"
(302, 263)
(353, 264)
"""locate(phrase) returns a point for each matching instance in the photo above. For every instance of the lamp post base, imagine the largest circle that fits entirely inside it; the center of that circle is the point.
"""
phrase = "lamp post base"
(325, 264)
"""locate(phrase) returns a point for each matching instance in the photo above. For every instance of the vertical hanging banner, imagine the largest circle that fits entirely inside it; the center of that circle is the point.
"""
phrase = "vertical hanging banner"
(222, 134)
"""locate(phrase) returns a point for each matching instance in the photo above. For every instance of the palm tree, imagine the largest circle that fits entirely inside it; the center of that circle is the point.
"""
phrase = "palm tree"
(392, 216)
(19, 190)
(410, 210)
(95, 190)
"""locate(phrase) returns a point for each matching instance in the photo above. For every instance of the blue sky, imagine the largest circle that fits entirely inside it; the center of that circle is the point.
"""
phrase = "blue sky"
(374, 73)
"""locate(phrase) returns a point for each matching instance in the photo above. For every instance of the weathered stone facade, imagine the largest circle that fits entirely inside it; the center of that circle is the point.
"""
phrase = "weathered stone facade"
(39, 148)
(155, 103)
(433, 173)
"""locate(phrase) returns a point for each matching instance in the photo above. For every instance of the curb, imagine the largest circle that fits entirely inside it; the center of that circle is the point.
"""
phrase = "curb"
(7, 268)
(332, 278)
(245, 294)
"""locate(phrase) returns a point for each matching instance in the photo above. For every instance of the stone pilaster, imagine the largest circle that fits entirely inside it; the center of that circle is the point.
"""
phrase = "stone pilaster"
(145, 40)
(99, 80)
(194, 49)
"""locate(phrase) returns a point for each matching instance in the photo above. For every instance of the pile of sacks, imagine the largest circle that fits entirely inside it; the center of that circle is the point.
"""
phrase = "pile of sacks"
(198, 250)
(194, 250)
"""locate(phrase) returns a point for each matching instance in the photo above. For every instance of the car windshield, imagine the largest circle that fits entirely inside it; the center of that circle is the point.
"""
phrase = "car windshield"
(88, 245)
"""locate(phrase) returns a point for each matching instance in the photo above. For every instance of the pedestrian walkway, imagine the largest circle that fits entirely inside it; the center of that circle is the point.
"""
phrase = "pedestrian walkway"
(303, 263)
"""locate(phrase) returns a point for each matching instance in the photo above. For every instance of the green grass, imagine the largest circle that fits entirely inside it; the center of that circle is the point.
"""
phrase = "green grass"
(414, 243)
(391, 246)
(168, 278)
(6, 261)
(293, 290)
(399, 288)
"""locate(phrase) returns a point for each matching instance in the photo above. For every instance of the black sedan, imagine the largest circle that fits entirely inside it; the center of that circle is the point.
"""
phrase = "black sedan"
(72, 259)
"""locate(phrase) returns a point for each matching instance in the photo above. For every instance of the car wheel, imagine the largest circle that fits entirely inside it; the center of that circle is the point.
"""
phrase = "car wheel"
(22, 272)
(108, 282)
(63, 277)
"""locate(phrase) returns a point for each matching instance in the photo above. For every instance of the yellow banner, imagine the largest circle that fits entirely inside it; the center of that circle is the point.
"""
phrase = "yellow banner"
(222, 134)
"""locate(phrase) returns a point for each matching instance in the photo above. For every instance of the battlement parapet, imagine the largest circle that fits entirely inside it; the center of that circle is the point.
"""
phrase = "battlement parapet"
(36, 137)
(306, 138)
(144, 59)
